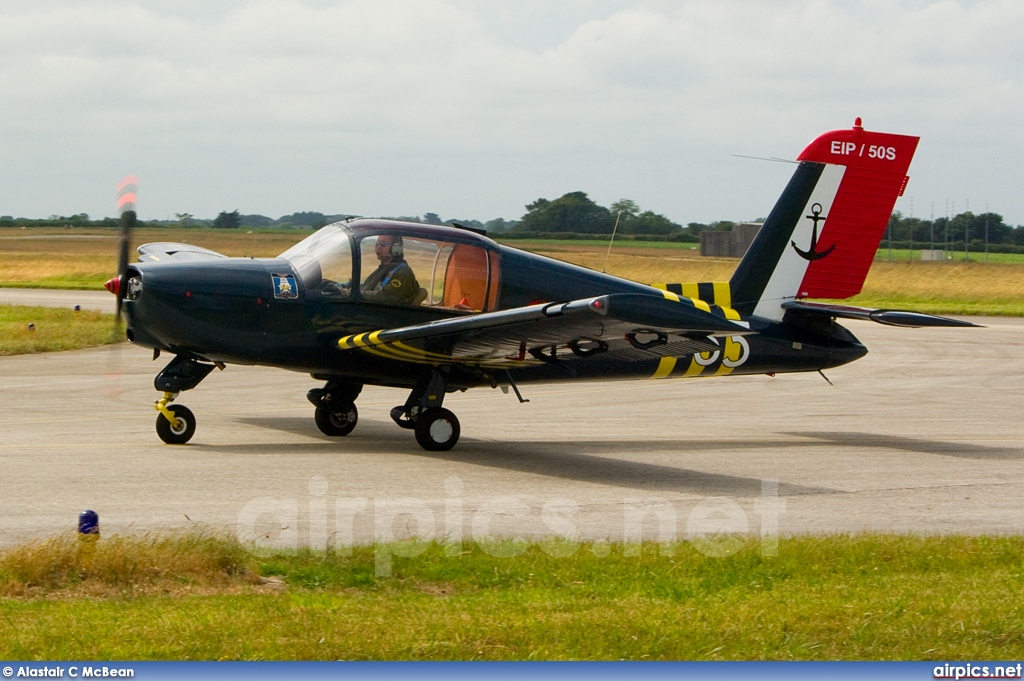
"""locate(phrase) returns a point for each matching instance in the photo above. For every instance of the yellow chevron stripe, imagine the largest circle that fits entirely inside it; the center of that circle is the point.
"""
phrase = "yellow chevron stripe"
(723, 294)
(669, 295)
(426, 354)
(665, 367)
(397, 353)
(731, 314)
(694, 369)
(700, 304)
(663, 287)
(691, 291)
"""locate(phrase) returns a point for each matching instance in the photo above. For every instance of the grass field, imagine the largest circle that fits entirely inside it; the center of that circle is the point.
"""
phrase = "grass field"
(86, 258)
(194, 596)
(53, 329)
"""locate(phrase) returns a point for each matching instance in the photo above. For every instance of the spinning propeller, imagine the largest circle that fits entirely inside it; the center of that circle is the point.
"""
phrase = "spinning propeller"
(126, 197)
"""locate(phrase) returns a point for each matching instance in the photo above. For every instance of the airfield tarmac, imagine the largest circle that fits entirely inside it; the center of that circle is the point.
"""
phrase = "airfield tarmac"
(925, 434)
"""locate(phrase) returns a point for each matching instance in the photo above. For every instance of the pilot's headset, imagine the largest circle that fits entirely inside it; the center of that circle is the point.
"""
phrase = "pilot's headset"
(397, 249)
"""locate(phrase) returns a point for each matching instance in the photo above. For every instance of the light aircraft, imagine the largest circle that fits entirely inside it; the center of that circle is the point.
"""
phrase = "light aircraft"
(436, 309)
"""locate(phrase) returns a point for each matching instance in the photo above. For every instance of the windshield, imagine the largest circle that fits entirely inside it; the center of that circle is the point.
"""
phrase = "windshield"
(324, 261)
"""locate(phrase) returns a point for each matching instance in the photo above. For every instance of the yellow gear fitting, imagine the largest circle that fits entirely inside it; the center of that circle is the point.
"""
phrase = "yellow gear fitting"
(161, 406)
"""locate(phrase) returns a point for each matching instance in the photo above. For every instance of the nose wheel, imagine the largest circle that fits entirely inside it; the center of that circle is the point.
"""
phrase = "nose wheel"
(437, 429)
(181, 430)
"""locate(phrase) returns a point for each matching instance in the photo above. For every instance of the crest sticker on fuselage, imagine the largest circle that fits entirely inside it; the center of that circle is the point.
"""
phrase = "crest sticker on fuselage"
(284, 286)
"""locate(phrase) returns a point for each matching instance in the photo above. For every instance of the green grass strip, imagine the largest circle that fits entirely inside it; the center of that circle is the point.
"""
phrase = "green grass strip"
(869, 596)
(53, 328)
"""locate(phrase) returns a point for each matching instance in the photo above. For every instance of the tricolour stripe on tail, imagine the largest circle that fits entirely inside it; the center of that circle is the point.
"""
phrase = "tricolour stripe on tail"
(821, 236)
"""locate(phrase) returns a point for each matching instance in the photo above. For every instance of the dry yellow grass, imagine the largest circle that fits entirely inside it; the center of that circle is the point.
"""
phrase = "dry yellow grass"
(83, 258)
(138, 564)
(941, 287)
(87, 258)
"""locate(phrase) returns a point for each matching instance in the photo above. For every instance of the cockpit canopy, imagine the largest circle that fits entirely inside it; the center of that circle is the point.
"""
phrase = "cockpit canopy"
(452, 268)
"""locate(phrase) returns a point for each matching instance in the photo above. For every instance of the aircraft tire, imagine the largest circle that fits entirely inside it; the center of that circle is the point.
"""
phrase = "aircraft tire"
(338, 420)
(437, 430)
(186, 426)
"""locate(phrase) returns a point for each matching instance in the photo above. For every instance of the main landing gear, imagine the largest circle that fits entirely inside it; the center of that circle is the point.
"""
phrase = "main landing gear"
(436, 428)
(176, 423)
(336, 414)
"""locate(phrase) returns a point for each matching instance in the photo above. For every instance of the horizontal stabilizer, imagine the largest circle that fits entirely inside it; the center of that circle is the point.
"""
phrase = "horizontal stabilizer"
(164, 250)
(904, 318)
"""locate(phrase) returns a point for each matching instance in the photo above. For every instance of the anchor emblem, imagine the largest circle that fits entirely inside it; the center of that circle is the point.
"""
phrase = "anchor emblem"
(812, 253)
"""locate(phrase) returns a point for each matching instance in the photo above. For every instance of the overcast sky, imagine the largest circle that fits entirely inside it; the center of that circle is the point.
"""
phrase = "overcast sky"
(473, 108)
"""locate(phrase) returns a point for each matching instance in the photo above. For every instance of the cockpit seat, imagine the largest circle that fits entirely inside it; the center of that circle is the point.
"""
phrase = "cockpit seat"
(465, 285)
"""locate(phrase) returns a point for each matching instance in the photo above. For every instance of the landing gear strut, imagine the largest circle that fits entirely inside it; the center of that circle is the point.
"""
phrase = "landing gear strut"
(176, 423)
(336, 414)
(437, 429)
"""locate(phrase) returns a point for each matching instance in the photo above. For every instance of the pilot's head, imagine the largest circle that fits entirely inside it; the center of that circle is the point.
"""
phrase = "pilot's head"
(388, 247)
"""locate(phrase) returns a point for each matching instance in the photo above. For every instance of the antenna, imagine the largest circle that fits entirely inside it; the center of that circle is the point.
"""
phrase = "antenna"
(610, 242)
(986, 232)
(769, 158)
(910, 258)
(967, 230)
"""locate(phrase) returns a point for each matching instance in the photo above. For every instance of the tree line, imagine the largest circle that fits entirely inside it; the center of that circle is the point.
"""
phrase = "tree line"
(950, 233)
(576, 215)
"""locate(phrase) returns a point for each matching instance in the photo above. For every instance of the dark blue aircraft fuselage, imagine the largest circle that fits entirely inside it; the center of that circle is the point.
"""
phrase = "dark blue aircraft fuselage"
(225, 310)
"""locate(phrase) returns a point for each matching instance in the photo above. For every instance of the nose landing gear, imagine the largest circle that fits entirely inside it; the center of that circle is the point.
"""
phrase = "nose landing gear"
(176, 424)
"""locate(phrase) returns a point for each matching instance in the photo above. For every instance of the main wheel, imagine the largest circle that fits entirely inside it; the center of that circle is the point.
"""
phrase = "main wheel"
(180, 434)
(437, 430)
(336, 419)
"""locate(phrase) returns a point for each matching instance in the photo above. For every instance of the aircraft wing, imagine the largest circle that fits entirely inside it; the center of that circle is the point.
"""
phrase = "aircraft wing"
(628, 326)
(904, 318)
(163, 251)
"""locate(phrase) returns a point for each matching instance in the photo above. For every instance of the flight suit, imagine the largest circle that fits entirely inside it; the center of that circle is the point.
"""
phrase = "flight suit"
(392, 282)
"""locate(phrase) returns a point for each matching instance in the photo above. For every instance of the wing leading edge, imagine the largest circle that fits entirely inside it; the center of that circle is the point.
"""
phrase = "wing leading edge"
(629, 326)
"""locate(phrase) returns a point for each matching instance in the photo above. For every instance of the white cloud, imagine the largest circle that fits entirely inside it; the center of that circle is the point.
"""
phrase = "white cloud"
(473, 108)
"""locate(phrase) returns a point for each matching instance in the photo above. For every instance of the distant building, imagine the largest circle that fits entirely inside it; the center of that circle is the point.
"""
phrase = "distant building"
(731, 244)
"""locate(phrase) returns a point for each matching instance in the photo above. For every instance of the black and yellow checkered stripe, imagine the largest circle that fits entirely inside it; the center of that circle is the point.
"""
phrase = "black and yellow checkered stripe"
(714, 297)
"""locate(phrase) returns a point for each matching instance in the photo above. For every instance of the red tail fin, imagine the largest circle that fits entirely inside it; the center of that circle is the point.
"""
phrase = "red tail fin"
(820, 239)
(876, 166)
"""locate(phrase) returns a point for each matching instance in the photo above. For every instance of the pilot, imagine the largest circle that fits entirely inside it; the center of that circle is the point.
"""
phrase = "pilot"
(393, 282)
